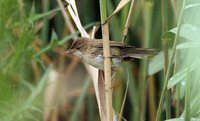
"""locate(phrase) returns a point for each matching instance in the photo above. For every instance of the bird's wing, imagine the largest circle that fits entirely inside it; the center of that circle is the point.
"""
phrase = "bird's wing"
(99, 43)
(119, 44)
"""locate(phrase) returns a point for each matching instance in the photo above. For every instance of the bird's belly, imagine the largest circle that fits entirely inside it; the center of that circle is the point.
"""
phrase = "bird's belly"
(98, 61)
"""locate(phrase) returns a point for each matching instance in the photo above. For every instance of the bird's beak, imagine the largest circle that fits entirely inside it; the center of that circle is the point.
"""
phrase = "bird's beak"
(70, 51)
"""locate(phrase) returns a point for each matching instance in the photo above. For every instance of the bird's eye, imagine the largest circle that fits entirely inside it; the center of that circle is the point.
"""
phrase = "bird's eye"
(77, 48)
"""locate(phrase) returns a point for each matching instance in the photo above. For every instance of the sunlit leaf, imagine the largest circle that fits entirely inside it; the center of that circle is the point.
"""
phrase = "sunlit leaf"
(182, 119)
(195, 107)
(180, 75)
(188, 31)
(187, 45)
(156, 64)
(192, 5)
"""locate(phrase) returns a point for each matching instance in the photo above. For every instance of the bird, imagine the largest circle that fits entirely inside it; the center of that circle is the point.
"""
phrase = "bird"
(90, 51)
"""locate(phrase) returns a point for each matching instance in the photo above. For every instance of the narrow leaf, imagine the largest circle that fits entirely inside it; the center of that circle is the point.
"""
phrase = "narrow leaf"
(180, 75)
(119, 7)
(157, 63)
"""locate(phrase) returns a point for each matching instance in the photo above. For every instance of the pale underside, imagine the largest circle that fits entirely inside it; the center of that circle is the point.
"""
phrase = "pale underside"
(97, 61)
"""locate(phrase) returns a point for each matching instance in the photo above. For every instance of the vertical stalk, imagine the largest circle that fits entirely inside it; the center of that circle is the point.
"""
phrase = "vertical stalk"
(165, 52)
(169, 66)
(128, 22)
(177, 8)
(107, 64)
(178, 101)
(133, 93)
(187, 96)
(148, 10)
(152, 100)
(168, 97)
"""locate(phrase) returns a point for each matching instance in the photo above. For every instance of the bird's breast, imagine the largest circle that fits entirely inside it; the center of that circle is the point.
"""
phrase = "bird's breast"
(96, 60)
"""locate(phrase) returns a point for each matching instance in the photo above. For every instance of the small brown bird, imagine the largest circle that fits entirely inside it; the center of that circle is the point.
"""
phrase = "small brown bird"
(91, 52)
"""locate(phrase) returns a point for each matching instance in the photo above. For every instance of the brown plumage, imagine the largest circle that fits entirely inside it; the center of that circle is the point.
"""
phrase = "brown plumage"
(91, 52)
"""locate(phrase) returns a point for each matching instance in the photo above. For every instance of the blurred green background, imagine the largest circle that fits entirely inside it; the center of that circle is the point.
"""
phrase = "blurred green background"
(39, 82)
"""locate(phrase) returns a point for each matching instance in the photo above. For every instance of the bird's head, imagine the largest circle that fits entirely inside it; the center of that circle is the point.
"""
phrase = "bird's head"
(76, 45)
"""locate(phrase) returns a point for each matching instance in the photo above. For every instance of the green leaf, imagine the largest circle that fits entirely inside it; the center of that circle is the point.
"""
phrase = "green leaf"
(35, 17)
(28, 104)
(188, 45)
(157, 63)
(180, 75)
(182, 119)
(188, 31)
(195, 107)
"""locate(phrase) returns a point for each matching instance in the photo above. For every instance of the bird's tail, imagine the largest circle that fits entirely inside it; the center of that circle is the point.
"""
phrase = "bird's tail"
(141, 53)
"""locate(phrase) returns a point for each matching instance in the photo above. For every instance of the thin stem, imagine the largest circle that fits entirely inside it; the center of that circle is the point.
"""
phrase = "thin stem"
(178, 101)
(187, 96)
(128, 22)
(148, 12)
(165, 52)
(169, 67)
(152, 102)
(107, 63)
(124, 100)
